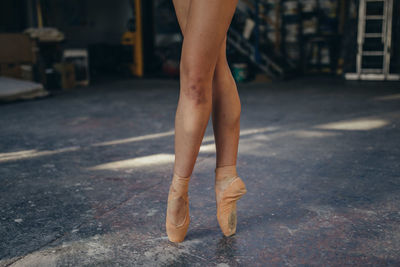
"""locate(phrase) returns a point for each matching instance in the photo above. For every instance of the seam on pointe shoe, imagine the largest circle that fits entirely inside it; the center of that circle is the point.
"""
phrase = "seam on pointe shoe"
(186, 199)
(176, 194)
(179, 225)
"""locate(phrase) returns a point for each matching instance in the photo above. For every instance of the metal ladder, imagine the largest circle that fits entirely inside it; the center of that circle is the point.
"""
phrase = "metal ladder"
(364, 36)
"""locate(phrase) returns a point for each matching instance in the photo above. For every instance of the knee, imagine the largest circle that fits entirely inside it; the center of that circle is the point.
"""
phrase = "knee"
(196, 84)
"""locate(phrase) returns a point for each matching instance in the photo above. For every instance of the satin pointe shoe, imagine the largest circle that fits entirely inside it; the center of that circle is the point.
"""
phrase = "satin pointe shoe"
(178, 194)
(232, 189)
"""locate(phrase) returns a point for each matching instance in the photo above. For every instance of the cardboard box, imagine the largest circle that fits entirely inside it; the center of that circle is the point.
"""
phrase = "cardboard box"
(17, 48)
(67, 71)
(12, 70)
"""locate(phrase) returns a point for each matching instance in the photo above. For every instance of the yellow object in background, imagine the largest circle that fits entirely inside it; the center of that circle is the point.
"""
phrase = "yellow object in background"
(135, 39)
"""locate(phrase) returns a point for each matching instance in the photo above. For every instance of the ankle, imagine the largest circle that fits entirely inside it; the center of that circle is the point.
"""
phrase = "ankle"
(223, 172)
(175, 175)
(180, 183)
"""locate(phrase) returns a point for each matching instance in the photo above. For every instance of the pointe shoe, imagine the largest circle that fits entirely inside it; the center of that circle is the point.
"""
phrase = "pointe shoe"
(226, 204)
(178, 189)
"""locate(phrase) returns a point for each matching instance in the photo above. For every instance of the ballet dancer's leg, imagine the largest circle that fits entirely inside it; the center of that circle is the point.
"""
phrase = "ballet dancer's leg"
(225, 115)
(205, 30)
(229, 188)
(226, 118)
(225, 99)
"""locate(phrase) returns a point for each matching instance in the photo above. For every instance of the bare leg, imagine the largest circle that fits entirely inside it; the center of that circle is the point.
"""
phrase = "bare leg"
(205, 31)
(206, 23)
(225, 99)
(226, 112)
(226, 123)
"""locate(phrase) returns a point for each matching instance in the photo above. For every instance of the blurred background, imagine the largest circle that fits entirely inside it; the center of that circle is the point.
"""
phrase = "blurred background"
(88, 97)
(63, 44)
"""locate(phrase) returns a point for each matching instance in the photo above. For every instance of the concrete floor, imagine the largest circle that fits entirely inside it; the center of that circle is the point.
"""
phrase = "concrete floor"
(85, 175)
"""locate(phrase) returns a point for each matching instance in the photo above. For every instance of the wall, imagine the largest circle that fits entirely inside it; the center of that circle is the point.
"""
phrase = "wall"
(87, 22)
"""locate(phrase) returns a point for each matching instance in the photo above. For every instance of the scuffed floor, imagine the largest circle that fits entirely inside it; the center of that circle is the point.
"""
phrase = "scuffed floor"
(85, 174)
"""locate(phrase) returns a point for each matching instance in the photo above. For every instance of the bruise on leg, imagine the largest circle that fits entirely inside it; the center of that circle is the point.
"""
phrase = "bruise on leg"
(196, 94)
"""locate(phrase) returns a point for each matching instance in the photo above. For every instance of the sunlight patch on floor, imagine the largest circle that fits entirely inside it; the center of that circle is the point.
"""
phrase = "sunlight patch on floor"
(156, 159)
(25, 154)
(207, 148)
(357, 125)
(152, 160)
(136, 162)
(135, 139)
(388, 97)
(312, 134)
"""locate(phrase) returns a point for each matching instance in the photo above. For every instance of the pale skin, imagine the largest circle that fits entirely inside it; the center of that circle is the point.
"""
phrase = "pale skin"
(206, 87)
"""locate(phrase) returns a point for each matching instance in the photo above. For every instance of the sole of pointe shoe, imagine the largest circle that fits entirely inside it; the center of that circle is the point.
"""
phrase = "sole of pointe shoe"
(232, 217)
(232, 222)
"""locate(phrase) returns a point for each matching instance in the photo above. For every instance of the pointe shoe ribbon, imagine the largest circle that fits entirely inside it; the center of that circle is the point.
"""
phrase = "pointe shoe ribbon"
(226, 204)
(178, 189)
